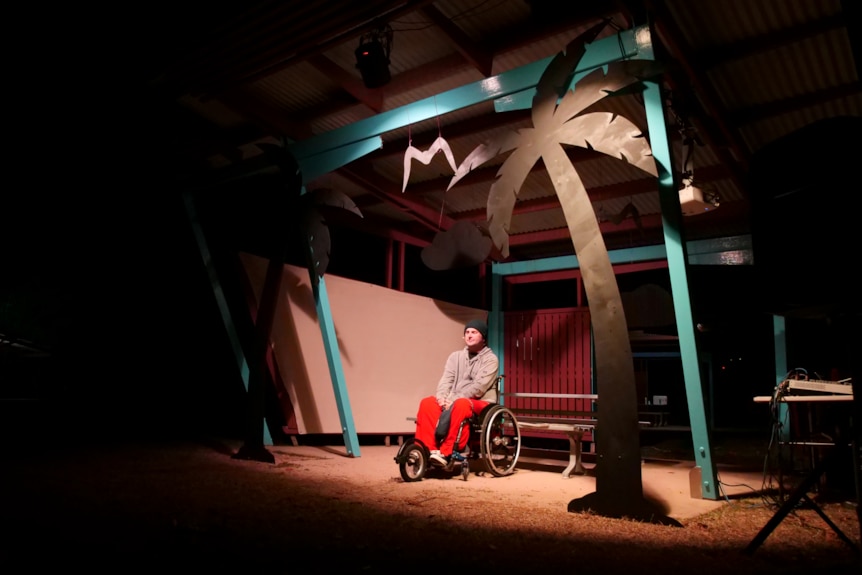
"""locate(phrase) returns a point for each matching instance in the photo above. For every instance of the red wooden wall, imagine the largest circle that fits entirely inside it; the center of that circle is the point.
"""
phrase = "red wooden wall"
(548, 351)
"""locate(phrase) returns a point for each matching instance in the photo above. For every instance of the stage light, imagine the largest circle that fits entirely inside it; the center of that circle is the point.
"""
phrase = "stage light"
(372, 57)
(694, 201)
(692, 198)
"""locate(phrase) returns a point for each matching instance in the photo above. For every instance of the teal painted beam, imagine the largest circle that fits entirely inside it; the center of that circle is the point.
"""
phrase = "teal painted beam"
(719, 245)
(677, 261)
(599, 53)
(221, 300)
(438, 105)
(336, 370)
(631, 255)
(628, 255)
(624, 45)
(726, 251)
(315, 166)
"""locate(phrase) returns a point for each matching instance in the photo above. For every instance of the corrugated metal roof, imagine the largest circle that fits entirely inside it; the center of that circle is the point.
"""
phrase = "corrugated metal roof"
(740, 75)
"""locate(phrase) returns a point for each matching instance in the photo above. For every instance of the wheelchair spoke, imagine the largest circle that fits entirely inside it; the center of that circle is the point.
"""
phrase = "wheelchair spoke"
(500, 441)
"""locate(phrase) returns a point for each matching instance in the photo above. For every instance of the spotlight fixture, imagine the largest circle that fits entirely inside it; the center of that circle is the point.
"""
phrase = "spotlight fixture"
(692, 199)
(372, 56)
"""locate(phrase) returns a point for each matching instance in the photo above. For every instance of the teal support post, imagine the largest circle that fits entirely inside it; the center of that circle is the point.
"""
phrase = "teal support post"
(333, 354)
(779, 336)
(496, 327)
(221, 301)
(677, 264)
(336, 371)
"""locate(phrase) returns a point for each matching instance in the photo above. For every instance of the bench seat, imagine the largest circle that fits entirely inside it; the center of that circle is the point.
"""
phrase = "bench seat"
(574, 428)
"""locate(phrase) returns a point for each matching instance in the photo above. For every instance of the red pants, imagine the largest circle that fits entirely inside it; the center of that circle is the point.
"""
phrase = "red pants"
(429, 414)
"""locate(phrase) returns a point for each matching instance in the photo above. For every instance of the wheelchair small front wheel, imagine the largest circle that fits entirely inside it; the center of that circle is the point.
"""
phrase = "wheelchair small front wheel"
(465, 469)
(413, 462)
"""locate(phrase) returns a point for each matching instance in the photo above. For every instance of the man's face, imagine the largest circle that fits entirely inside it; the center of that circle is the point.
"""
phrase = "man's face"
(473, 339)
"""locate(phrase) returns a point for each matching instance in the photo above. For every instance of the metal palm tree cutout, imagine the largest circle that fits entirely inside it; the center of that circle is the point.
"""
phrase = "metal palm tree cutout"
(303, 210)
(556, 123)
(302, 222)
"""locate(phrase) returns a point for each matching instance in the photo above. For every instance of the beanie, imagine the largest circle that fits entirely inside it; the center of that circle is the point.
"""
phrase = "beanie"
(479, 326)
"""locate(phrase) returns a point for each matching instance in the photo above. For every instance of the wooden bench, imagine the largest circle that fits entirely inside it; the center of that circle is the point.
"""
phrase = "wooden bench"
(574, 430)
(574, 424)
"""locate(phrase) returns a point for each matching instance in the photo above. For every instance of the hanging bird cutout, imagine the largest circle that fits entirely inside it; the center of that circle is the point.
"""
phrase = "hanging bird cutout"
(412, 153)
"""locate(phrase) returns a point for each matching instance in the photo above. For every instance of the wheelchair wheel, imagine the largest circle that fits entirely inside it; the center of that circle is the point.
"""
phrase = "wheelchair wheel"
(412, 462)
(500, 442)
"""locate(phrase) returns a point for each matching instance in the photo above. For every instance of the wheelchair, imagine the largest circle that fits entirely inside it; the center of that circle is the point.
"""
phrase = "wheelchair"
(494, 440)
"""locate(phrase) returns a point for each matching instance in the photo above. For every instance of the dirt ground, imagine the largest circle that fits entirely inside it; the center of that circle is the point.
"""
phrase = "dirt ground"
(138, 507)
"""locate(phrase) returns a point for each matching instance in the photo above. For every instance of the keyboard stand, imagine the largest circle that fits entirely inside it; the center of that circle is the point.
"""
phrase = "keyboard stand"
(801, 492)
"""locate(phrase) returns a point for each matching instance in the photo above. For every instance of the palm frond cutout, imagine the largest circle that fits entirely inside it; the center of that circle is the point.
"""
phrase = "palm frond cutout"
(612, 135)
(484, 152)
(557, 76)
(332, 198)
(599, 84)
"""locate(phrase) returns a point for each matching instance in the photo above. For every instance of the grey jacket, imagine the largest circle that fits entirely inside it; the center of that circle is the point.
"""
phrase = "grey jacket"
(470, 377)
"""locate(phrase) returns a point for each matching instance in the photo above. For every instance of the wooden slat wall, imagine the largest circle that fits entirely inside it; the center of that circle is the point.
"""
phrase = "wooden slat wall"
(548, 351)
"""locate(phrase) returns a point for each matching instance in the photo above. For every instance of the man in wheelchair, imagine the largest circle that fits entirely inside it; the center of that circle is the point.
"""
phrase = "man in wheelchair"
(466, 387)
(466, 394)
